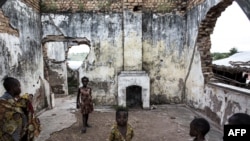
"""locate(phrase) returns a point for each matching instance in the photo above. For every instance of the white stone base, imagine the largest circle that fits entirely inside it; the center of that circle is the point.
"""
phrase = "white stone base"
(130, 78)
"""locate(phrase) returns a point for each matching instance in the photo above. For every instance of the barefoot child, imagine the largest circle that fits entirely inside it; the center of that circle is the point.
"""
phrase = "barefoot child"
(199, 127)
(84, 101)
(121, 130)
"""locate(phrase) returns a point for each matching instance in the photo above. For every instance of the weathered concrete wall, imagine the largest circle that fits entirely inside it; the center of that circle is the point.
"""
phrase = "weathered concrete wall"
(221, 101)
(132, 41)
(216, 102)
(164, 56)
(245, 6)
(163, 45)
(21, 53)
(127, 41)
(195, 84)
(56, 64)
(105, 59)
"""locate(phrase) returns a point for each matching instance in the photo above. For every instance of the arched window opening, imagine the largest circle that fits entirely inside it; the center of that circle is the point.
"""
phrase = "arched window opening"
(75, 58)
(230, 47)
(76, 55)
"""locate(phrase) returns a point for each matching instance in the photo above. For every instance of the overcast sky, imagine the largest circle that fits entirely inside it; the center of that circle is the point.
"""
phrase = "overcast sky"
(232, 29)
(79, 49)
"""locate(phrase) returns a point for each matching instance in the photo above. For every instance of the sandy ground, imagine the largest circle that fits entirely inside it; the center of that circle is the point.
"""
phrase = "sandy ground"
(165, 123)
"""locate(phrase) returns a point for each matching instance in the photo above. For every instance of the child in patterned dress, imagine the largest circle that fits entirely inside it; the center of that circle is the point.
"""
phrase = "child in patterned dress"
(84, 102)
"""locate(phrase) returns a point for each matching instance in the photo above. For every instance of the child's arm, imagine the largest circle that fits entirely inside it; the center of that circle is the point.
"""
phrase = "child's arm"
(132, 133)
(112, 135)
(130, 128)
(90, 92)
(77, 99)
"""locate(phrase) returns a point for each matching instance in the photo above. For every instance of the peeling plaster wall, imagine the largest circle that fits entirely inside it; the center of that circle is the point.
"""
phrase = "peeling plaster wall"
(195, 82)
(56, 63)
(133, 41)
(105, 59)
(217, 103)
(223, 102)
(164, 56)
(22, 55)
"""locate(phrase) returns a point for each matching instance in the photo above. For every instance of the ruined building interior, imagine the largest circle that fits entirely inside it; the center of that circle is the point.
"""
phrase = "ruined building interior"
(141, 52)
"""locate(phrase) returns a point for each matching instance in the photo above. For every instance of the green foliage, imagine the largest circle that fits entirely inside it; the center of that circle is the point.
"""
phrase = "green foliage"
(48, 8)
(80, 4)
(165, 8)
(217, 55)
(233, 51)
(81, 7)
(77, 56)
(106, 5)
(43, 6)
(53, 7)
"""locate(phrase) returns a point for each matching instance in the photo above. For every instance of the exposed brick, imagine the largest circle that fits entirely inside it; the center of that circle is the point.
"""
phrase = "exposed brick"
(117, 5)
(4, 25)
(32, 3)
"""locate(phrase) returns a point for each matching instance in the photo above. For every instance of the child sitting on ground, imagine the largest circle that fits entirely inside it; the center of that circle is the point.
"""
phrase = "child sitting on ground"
(199, 127)
(121, 130)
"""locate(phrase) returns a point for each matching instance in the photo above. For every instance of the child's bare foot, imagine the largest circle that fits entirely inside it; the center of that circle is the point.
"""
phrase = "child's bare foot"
(88, 126)
(83, 130)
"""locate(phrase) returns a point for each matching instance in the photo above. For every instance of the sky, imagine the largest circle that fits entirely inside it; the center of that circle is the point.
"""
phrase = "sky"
(79, 49)
(232, 29)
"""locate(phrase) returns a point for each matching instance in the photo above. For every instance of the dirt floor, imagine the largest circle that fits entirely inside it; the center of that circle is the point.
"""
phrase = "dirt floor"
(165, 123)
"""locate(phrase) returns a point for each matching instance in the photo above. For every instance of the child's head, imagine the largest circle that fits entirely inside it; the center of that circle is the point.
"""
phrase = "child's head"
(199, 127)
(239, 119)
(121, 116)
(85, 80)
(12, 86)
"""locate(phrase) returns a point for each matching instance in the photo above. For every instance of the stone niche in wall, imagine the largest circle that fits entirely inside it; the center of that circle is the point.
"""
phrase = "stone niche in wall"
(137, 84)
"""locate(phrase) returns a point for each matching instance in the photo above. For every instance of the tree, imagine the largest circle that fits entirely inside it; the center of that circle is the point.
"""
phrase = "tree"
(218, 56)
(233, 51)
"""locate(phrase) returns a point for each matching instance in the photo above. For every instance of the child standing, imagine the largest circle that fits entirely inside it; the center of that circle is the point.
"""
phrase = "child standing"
(84, 102)
(11, 113)
(121, 130)
(199, 127)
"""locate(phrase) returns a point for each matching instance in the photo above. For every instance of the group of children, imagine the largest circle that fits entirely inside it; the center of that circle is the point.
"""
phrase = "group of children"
(123, 131)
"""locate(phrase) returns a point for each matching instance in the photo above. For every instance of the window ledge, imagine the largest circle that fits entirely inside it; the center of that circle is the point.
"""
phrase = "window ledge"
(230, 87)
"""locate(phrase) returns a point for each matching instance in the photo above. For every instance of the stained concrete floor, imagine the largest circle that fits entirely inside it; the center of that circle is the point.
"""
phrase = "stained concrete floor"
(63, 116)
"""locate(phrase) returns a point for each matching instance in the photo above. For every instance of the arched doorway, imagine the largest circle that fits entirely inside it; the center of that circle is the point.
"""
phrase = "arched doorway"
(133, 96)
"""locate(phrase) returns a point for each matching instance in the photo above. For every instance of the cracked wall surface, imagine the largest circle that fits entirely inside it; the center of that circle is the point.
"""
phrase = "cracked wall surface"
(173, 47)
(218, 103)
(144, 41)
(21, 51)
